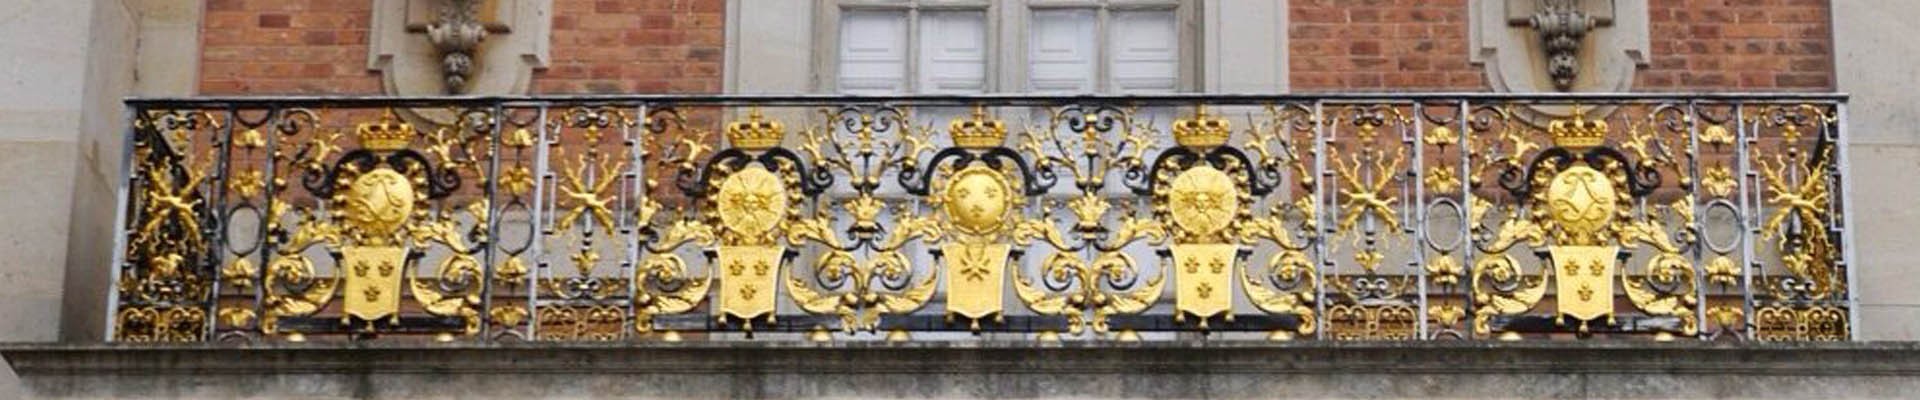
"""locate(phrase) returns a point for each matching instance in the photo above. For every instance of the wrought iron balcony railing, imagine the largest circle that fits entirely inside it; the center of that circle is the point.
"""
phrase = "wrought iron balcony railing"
(1179, 217)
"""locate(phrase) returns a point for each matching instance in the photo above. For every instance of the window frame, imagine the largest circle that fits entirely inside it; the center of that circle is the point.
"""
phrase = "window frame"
(1008, 27)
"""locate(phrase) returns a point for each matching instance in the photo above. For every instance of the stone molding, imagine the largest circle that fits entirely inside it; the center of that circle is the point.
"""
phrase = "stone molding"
(972, 369)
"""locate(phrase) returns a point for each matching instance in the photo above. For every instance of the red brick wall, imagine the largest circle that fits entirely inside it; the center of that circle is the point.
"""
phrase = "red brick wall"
(286, 46)
(1697, 45)
(635, 46)
(1748, 45)
(598, 46)
(1380, 45)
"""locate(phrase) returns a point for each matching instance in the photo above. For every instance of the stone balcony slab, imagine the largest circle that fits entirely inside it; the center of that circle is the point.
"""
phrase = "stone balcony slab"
(970, 370)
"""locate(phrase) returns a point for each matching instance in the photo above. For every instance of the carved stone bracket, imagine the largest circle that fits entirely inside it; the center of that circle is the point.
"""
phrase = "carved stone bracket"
(456, 34)
(1561, 24)
(427, 47)
(1559, 45)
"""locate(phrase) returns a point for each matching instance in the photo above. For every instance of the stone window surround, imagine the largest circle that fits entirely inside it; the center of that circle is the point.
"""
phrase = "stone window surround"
(1235, 46)
(1007, 24)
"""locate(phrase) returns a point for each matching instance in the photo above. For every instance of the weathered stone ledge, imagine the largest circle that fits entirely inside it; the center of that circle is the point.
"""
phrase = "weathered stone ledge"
(971, 370)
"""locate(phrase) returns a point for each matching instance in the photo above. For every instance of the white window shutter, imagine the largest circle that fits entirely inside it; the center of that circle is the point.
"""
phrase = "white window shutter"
(1061, 51)
(953, 52)
(873, 52)
(1145, 52)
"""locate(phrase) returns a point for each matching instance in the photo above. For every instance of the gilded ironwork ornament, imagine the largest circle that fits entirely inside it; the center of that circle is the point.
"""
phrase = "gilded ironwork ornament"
(979, 187)
(1084, 218)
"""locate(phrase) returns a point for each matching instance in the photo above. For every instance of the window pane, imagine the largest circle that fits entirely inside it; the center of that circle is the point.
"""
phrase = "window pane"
(1061, 51)
(873, 52)
(1144, 46)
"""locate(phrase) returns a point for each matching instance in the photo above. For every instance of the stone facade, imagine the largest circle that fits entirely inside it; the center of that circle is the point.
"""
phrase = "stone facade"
(985, 370)
(1875, 60)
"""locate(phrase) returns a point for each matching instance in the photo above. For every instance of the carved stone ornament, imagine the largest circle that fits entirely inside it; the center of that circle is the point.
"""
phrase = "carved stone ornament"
(456, 33)
(478, 47)
(1559, 45)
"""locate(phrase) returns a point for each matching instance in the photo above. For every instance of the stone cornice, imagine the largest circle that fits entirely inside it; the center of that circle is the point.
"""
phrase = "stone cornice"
(1850, 359)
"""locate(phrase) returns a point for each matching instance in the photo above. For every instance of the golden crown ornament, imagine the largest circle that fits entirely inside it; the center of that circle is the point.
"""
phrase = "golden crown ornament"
(389, 134)
(978, 132)
(1578, 133)
(756, 132)
(1202, 130)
